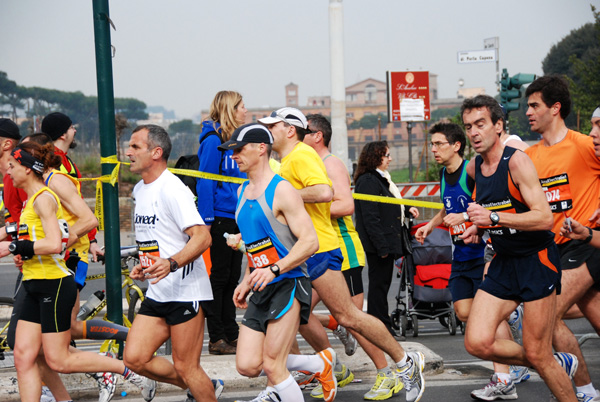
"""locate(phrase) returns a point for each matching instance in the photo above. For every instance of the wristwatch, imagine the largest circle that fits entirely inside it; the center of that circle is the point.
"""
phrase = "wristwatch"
(466, 216)
(174, 266)
(275, 270)
(494, 218)
(585, 241)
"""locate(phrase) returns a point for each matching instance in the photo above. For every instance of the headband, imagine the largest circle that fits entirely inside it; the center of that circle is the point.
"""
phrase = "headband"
(26, 159)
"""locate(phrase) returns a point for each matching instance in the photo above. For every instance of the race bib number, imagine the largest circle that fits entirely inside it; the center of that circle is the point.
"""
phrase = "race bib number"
(261, 253)
(457, 230)
(147, 248)
(558, 192)
(64, 232)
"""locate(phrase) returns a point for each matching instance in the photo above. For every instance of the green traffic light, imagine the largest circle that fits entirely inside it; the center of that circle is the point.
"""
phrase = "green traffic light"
(511, 89)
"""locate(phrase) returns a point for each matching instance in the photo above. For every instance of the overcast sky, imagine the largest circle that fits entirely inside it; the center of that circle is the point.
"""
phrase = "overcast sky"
(179, 53)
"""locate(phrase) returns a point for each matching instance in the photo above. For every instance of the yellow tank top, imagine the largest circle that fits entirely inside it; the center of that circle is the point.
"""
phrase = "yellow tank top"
(303, 168)
(82, 245)
(350, 245)
(40, 266)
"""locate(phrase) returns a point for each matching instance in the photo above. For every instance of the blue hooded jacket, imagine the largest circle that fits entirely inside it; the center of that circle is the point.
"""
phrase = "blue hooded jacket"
(216, 198)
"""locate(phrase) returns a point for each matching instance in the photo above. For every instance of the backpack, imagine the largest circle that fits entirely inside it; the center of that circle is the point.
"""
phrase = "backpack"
(192, 162)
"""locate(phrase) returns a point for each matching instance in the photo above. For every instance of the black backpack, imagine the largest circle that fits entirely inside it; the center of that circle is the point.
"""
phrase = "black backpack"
(192, 162)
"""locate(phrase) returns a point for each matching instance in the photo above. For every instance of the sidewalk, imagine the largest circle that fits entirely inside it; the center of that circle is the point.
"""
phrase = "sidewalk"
(222, 367)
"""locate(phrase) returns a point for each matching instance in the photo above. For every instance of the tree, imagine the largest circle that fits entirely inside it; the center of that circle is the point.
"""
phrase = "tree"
(11, 94)
(577, 57)
(585, 81)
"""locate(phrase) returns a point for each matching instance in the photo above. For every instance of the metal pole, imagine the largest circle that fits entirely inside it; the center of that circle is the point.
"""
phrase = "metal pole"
(410, 163)
(106, 114)
(339, 140)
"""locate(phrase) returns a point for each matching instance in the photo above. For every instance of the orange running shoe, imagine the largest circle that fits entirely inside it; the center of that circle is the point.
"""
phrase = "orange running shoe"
(327, 376)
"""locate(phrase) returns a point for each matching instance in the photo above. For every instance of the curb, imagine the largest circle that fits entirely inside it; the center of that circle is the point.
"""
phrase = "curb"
(80, 386)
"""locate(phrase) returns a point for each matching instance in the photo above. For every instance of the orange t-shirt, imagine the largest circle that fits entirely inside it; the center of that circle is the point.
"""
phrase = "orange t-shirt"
(569, 172)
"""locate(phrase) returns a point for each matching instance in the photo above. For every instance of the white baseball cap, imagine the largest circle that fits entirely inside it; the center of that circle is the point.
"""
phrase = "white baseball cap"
(288, 115)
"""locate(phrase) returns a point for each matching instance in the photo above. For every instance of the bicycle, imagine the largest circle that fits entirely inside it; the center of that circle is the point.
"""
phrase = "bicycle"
(134, 294)
(6, 355)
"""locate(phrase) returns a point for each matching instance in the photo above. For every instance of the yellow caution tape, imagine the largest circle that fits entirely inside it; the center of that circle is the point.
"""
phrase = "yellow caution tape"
(400, 201)
(113, 178)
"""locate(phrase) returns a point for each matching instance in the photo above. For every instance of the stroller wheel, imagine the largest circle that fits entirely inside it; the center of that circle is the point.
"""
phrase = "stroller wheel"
(452, 323)
(395, 317)
(403, 324)
(443, 320)
(415, 325)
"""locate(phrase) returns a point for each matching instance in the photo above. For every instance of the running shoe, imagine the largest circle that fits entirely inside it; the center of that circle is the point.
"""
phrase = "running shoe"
(304, 379)
(519, 374)
(265, 396)
(515, 321)
(218, 385)
(107, 383)
(412, 376)
(583, 397)
(327, 376)
(496, 390)
(567, 361)
(146, 385)
(343, 378)
(384, 388)
(349, 341)
(47, 395)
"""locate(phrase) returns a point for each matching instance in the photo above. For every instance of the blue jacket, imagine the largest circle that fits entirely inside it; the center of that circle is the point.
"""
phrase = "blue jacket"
(216, 198)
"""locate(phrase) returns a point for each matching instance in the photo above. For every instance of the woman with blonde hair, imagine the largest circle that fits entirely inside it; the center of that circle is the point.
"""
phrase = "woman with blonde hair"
(217, 201)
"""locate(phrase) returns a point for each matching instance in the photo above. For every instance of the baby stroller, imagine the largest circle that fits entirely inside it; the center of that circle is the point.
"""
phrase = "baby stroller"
(423, 292)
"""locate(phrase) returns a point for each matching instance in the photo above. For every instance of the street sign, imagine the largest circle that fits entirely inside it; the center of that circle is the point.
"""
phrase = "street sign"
(408, 96)
(491, 43)
(412, 109)
(477, 56)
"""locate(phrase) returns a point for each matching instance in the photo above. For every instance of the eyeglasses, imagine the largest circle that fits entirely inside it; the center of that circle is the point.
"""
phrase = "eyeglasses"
(437, 144)
(311, 132)
(275, 114)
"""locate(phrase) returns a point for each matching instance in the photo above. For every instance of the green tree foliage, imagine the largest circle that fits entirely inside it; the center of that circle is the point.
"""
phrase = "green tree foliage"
(184, 127)
(369, 121)
(577, 56)
(82, 109)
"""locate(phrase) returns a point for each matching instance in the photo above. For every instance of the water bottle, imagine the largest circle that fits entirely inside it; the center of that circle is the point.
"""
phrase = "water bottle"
(94, 301)
(241, 246)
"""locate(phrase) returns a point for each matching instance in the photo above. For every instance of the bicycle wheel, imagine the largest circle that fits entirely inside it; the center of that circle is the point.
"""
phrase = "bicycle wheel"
(6, 355)
(135, 301)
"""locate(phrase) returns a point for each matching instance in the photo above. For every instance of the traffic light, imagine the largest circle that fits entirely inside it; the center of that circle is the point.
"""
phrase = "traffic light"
(511, 89)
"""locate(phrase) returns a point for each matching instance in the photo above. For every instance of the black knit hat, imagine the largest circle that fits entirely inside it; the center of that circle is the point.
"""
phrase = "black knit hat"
(56, 124)
(9, 129)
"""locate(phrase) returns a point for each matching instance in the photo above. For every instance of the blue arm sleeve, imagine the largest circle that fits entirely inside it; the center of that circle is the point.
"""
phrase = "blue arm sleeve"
(210, 158)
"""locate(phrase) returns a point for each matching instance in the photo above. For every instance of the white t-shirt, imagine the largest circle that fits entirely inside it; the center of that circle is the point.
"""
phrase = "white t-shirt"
(163, 210)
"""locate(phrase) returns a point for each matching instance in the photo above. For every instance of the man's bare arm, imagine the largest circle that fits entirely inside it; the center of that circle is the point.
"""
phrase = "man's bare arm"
(316, 193)
(343, 203)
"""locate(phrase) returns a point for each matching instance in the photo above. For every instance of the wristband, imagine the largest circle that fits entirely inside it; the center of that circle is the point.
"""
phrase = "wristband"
(24, 248)
(590, 236)
(93, 241)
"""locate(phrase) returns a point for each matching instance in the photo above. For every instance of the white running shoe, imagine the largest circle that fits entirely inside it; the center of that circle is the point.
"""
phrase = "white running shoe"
(519, 374)
(146, 385)
(349, 341)
(412, 376)
(47, 395)
(107, 383)
(496, 390)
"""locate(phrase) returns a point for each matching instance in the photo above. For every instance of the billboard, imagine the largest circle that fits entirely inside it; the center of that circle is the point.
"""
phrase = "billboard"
(408, 96)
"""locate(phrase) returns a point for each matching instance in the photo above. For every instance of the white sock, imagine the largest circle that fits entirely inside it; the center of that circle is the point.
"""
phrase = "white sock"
(588, 390)
(402, 362)
(289, 390)
(504, 377)
(311, 363)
